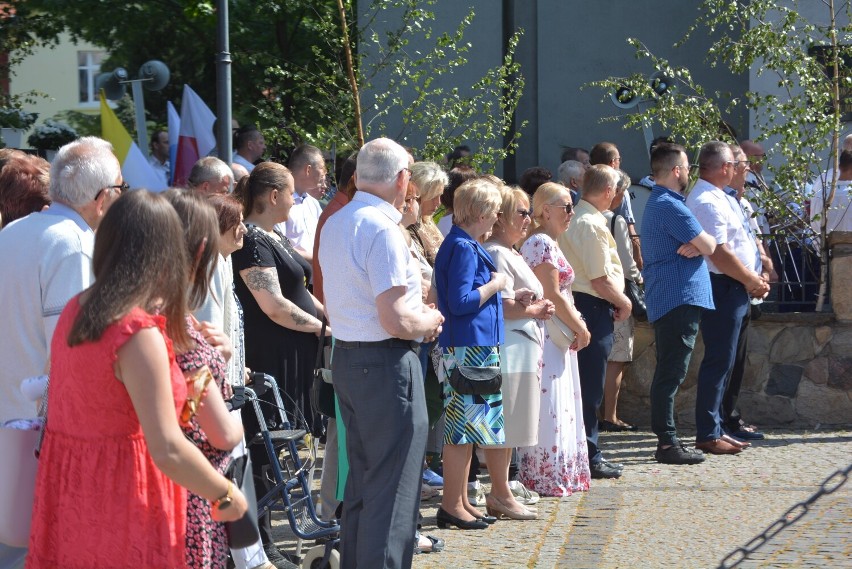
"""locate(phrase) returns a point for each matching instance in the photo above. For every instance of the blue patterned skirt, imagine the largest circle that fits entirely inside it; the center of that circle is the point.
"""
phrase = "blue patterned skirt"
(472, 418)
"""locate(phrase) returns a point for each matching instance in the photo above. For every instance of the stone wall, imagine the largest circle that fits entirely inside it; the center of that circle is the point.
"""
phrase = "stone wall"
(798, 369)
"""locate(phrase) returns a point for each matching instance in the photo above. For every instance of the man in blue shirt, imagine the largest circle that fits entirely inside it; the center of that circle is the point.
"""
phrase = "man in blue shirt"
(677, 290)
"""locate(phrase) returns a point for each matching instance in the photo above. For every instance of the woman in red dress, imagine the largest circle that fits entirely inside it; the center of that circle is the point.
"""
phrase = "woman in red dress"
(114, 462)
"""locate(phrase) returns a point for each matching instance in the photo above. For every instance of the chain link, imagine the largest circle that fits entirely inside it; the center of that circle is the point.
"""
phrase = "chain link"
(790, 517)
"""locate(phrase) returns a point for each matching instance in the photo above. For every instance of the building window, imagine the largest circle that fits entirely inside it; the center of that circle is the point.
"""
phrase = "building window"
(88, 67)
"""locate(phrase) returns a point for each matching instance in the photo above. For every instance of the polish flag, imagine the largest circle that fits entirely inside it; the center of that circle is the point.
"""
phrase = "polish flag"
(196, 134)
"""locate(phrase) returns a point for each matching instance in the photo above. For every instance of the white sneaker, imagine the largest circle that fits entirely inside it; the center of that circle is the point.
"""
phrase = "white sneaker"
(476, 493)
(522, 495)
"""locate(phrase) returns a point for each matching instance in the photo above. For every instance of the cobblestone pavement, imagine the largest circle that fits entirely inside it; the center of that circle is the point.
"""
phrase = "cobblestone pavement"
(674, 516)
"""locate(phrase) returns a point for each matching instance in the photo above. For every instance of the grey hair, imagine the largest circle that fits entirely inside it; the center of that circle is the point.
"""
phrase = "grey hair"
(712, 154)
(623, 181)
(209, 169)
(380, 161)
(429, 178)
(570, 169)
(81, 169)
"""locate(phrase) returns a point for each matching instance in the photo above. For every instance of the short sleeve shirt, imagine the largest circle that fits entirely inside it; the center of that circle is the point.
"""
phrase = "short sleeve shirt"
(590, 249)
(720, 216)
(363, 253)
(671, 280)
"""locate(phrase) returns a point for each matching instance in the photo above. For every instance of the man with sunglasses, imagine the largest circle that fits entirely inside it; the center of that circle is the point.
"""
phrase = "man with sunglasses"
(599, 296)
(47, 259)
(733, 280)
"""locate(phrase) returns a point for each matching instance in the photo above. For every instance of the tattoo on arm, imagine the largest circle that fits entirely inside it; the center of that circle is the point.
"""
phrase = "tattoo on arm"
(299, 316)
(257, 279)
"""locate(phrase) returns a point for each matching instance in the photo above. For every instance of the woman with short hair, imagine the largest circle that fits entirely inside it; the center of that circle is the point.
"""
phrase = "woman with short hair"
(559, 464)
(468, 285)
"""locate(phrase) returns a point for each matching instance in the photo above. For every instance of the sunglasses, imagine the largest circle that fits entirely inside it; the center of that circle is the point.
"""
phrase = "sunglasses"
(568, 207)
(525, 212)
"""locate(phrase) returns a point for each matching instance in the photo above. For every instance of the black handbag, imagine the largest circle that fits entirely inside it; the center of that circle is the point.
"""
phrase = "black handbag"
(322, 391)
(637, 297)
(472, 380)
(244, 531)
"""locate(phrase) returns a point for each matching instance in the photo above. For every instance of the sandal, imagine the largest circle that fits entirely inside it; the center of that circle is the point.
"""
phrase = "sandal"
(435, 544)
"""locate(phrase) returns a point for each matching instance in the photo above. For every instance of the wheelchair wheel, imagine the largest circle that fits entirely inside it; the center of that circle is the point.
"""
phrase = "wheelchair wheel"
(313, 558)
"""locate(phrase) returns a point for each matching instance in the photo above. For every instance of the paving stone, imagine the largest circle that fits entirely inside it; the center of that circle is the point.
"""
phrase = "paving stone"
(666, 516)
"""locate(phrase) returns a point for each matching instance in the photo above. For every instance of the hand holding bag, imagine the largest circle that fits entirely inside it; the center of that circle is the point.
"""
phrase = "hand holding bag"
(244, 531)
(322, 390)
(634, 292)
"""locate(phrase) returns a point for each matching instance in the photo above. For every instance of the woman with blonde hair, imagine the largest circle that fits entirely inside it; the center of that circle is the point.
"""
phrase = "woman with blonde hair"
(558, 465)
(468, 288)
(521, 354)
(429, 181)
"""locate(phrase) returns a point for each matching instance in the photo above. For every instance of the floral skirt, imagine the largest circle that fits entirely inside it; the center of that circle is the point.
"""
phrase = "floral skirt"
(472, 418)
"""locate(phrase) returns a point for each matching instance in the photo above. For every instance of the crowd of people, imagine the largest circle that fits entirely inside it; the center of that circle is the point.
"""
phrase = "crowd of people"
(466, 314)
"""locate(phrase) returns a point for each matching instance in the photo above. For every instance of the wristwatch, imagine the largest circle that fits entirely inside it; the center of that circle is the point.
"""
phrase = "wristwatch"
(225, 501)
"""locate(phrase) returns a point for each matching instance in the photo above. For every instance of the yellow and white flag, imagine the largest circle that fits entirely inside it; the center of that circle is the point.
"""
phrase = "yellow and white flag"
(134, 165)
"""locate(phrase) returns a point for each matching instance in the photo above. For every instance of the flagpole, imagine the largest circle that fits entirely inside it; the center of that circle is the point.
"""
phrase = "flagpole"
(224, 136)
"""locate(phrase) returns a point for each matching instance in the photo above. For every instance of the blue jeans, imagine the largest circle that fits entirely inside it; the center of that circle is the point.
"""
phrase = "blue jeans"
(674, 335)
(592, 363)
(720, 329)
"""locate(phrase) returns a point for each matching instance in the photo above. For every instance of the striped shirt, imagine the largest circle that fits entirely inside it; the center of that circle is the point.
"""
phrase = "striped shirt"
(671, 280)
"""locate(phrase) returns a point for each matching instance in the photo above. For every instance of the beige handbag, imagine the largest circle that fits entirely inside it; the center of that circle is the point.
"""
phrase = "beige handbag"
(560, 334)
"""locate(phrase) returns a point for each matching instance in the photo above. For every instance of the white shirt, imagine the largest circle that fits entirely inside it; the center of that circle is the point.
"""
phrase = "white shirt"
(46, 259)
(242, 162)
(301, 227)
(162, 169)
(362, 254)
(721, 217)
(840, 213)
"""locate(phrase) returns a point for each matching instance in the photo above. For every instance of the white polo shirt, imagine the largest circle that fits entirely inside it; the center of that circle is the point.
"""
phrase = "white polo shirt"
(362, 254)
(721, 217)
(46, 259)
(301, 227)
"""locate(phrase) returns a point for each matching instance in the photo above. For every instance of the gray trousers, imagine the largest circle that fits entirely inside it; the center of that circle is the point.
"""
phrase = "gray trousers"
(383, 409)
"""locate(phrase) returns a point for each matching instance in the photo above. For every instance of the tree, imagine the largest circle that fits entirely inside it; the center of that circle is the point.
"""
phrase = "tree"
(801, 122)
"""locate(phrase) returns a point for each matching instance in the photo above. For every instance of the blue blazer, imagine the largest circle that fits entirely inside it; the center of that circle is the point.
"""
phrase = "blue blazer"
(461, 266)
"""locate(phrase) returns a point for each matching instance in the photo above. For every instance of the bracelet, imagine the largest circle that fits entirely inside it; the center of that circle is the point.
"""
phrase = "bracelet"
(225, 500)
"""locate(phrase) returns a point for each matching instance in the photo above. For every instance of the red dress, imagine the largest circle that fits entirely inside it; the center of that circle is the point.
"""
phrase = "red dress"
(100, 502)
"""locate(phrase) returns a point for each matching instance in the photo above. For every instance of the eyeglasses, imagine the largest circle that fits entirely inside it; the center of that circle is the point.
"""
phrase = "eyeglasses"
(568, 207)
(123, 187)
(737, 163)
(412, 199)
(687, 167)
(404, 170)
(525, 212)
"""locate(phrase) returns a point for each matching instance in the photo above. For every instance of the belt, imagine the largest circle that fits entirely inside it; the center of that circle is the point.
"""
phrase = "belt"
(389, 343)
(725, 278)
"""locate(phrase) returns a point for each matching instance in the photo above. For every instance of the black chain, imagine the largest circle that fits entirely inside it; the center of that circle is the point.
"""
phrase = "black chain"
(790, 517)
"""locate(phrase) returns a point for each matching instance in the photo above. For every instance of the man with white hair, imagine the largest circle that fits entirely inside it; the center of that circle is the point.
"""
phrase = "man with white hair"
(372, 297)
(211, 175)
(47, 259)
(570, 174)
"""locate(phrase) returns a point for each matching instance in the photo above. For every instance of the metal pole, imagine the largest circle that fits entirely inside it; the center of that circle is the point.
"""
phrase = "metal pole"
(141, 126)
(224, 137)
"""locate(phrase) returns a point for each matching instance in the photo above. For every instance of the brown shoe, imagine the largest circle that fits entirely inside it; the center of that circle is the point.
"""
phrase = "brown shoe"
(718, 446)
(732, 441)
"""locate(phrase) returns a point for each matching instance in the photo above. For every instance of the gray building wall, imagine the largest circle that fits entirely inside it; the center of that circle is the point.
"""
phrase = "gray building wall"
(567, 44)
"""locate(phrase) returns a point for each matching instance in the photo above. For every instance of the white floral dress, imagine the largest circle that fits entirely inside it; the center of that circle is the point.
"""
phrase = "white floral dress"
(559, 464)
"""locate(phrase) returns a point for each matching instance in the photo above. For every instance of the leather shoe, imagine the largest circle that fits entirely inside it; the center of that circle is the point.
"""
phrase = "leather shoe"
(604, 469)
(731, 440)
(443, 519)
(718, 446)
(617, 465)
(747, 433)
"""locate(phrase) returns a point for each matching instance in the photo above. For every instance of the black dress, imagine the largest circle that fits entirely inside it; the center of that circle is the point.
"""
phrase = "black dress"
(285, 354)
